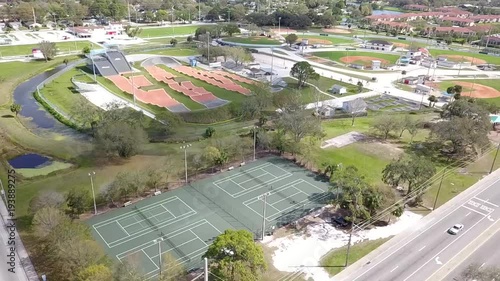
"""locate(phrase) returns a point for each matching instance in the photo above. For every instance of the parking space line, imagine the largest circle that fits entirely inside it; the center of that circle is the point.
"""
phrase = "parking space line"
(485, 201)
(474, 210)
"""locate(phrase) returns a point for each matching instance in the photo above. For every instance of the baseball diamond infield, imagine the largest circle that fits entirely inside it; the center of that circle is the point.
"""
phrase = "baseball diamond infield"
(479, 91)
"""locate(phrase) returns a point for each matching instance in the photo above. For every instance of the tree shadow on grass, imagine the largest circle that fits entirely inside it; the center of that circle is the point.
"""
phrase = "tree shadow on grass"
(8, 116)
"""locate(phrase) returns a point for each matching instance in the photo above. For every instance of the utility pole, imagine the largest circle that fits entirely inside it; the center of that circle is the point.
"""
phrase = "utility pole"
(128, 9)
(93, 193)
(199, 10)
(473, 84)
(263, 197)
(439, 189)
(208, 49)
(349, 244)
(159, 240)
(254, 141)
(272, 65)
(279, 25)
(173, 32)
(494, 159)
(185, 147)
(460, 66)
(205, 277)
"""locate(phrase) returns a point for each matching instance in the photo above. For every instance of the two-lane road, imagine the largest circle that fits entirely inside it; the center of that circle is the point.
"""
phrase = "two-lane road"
(431, 246)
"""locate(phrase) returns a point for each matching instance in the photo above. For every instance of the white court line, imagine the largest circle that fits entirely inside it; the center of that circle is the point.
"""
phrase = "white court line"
(143, 220)
(198, 237)
(287, 198)
(314, 186)
(150, 259)
(120, 225)
(130, 213)
(170, 234)
(294, 206)
(259, 186)
(275, 190)
(196, 253)
(467, 214)
(148, 230)
(242, 173)
(167, 211)
(485, 201)
(475, 210)
(98, 233)
(276, 166)
(176, 246)
(214, 227)
(187, 205)
(253, 178)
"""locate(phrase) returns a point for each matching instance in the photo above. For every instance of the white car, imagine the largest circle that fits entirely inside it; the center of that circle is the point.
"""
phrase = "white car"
(455, 229)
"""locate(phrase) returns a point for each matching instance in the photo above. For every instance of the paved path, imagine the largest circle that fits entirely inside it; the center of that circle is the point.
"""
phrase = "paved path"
(422, 252)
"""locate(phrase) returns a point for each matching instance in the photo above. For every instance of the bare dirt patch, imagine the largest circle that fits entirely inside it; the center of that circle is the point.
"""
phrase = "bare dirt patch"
(316, 41)
(479, 91)
(366, 61)
(458, 58)
(337, 30)
(401, 45)
(287, 30)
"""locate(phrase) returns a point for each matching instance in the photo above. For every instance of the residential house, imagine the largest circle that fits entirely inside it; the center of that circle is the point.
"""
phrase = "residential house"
(401, 27)
(492, 41)
(379, 45)
(415, 7)
(485, 18)
(444, 30)
(15, 25)
(354, 106)
(456, 21)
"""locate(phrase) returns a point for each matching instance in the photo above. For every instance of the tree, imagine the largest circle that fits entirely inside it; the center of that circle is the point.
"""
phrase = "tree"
(299, 124)
(48, 50)
(477, 272)
(95, 272)
(360, 86)
(413, 170)
(231, 29)
(385, 124)
(46, 219)
(66, 61)
(46, 199)
(209, 132)
(173, 42)
(78, 201)
(120, 137)
(132, 32)
(172, 269)
(15, 108)
(303, 71)
(86, 50)
(291, 38)
(235, 256)
(432, 100)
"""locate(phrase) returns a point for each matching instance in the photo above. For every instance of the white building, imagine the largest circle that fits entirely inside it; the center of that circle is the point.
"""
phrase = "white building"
(354, 106)
(338, 89)
(379, 45)
(423, 89)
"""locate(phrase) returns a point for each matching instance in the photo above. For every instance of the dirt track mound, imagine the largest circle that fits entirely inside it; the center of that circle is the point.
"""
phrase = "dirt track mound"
(364, 60)
(337, 30)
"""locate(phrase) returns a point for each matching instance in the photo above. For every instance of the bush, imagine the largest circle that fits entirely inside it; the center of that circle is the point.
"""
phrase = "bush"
(209, 132)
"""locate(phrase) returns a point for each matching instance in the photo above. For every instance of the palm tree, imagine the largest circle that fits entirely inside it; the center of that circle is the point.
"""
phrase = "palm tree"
(432, 100)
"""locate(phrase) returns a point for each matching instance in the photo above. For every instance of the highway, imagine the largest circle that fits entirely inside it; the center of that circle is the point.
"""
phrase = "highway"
(425, 250)
(486, 255)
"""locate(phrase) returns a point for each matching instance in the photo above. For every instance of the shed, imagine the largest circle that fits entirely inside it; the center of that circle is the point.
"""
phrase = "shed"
(354, 106)
(423, 89)
(376, 64)
(338, 89)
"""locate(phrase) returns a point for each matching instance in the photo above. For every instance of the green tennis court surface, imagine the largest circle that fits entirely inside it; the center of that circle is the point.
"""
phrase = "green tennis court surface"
(187, 220)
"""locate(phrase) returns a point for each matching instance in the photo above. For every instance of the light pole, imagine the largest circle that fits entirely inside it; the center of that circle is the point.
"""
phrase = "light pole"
(185, 147)
(272, 65)
(208, 49)
(159, 240)
(460, 66)
(439, 189)
(254, 141)
(279, 25)
(93, 66)
(133, 87)
(173, 20)
(93, 193)
(494, 159)
(199, 10)
(263, 197)
(473, 84)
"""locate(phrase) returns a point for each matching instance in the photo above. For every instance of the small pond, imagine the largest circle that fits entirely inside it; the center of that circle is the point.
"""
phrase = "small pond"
(30, 160)
(385, 12)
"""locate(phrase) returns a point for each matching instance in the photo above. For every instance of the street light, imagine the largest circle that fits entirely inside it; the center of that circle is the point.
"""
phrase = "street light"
(263, 197)
(254, 141)
(159, 240)
(279, 25)
(208, 49)
(185, 147)
(93, 193)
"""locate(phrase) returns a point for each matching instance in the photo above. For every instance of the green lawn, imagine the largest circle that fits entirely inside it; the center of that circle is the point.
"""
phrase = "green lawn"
(168, 31)
(309, 94)
(175, 52)
(25, 50)
(54, 166)
(337, 55)
(408, 41)
(334, 261)
(333, 40)
(259, 40)
(324, 84)
(489, 59)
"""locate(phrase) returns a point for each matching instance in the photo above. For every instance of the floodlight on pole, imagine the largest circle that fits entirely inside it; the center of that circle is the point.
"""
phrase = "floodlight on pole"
(133, 87)
(159, 240)
(93, 193)
(185, 147)
(263, 197)
(279, 25)
(254, 141)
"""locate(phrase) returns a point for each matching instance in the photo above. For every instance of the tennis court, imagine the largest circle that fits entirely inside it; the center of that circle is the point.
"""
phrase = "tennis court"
(184, 222)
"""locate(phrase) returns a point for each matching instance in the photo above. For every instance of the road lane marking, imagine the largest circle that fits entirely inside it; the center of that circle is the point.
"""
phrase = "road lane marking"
(398, 266)
(422, 248)
(474, 210)
(447, 246)
(490, 219)
(468, 214)
(479, 191)
(482, 265)
(486, 201)
(438, 261)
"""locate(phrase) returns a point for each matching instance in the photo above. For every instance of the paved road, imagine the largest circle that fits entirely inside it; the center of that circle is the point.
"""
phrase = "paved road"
(486, 255)
(430, 246)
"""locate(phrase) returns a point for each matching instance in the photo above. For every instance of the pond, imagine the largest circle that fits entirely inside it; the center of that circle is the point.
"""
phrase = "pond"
(30, 160)
(385, 12)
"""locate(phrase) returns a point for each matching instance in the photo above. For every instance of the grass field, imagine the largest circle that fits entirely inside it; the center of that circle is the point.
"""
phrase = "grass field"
(489, 59)
(334, 261)
(309, 94)
(409, 42)
(332, 40)
(337, 55)
(259, 40)
(174, 52)
(25, 50)
(168, 31)
(54, 166)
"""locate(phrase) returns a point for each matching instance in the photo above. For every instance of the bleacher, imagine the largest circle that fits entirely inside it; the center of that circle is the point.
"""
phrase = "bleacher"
(103, 67)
